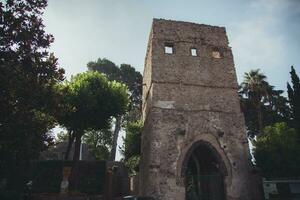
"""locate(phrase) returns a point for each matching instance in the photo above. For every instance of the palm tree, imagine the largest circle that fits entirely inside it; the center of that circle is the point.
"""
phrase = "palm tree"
(256, 88)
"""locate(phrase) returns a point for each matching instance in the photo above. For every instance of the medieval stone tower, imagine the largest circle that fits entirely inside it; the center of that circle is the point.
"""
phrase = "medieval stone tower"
(194, 144)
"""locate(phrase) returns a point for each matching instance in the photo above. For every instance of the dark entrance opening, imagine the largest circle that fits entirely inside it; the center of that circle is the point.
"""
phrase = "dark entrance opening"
(204, 173)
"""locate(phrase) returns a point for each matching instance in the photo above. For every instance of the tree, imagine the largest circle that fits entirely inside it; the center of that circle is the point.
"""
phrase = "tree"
(294, 99)
(128, 75)
(99, 143)
(255, 87)
(132, 141)
(261, 103)
(28, 74)
(132, 145)
(89, 102)
(277, 152)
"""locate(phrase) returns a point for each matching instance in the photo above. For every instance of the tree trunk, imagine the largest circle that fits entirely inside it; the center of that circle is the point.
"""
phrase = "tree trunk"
(70, 143)
(75, 168)
(77, 148)
(115, 138)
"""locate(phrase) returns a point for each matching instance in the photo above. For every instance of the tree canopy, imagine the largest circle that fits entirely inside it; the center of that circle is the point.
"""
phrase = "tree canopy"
(28, 74)
(124, 74)
(133, 79)
(277, 152)
(294, 99)
(91, 100)
(89, 103)
(261, 103)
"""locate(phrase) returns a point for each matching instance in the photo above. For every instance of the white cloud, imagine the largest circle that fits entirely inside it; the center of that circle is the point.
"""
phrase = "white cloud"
(256, 40)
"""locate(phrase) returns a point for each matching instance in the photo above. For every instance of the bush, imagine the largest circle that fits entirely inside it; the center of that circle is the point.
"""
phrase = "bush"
(46, 177)
(277, 152)
(91, 177)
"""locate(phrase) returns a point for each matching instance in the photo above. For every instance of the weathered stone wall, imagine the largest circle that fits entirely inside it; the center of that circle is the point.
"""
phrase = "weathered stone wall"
(187, 99)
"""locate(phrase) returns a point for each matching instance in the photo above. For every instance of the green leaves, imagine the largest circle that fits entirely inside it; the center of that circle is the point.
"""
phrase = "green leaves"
(277, 152)
(27, 75)
(90, 100)
(132, 145)
(261, 103)
(124, 74)
(294, 99)
(99, 142)
(133, 79)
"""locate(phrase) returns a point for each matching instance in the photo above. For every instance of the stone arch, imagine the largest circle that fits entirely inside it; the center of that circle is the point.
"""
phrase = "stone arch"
(212, 143)
(213, 151)
(203, 169)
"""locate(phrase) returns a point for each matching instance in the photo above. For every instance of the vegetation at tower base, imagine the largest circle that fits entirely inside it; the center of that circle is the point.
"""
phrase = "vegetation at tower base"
(131, 149)
(28, 73)
(133, 79)
(89, 103)
(294, 100)
(262, 105)
(277, 151)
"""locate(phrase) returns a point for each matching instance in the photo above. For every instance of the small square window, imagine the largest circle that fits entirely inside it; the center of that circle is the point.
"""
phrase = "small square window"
(193, 51)
(216, 54)
(169, 49)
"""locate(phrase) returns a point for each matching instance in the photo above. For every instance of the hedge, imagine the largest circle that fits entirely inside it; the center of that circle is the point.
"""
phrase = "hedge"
(46, 177)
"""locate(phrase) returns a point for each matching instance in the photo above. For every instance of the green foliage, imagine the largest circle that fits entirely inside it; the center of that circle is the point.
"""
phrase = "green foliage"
(132, 145)
(255, 88)
(99, 143)
(89, 103)
(133, 79)
(125, 74)
(261, 103)
(133, 164)
(132, 141)
(294, 99)
(90, 100)
(106, 67)
(277, 151)
(27, 76)
(255, 85)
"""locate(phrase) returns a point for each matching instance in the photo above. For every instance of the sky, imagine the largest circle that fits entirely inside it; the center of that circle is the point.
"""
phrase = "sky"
(263, 34)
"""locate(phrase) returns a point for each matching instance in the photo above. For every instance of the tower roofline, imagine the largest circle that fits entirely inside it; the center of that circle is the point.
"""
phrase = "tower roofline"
(157, 20)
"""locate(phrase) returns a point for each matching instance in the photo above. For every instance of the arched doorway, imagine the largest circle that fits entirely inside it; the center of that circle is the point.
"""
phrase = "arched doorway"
(204, 173)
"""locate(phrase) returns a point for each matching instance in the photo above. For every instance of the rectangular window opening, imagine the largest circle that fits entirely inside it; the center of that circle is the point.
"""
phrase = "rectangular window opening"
(193, 51)
(169, 49)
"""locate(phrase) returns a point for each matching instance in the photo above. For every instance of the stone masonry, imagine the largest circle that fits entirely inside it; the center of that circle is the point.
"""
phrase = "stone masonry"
(186, 99)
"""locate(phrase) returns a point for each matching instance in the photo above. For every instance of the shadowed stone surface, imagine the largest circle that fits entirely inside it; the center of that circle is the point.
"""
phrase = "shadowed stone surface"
(189, 99)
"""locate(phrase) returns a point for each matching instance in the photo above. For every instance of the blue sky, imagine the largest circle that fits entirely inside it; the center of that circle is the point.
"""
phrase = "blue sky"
(263, 34)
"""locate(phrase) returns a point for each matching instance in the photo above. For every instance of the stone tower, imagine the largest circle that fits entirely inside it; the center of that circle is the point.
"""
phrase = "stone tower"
(194, 141)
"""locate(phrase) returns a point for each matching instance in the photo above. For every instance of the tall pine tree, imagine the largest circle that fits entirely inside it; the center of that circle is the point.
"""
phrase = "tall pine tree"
(294, 99)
